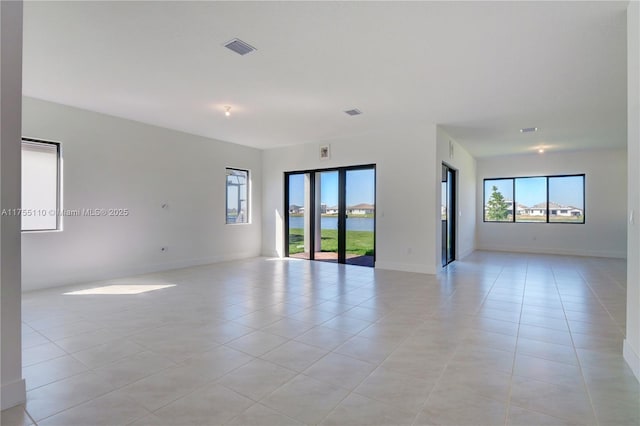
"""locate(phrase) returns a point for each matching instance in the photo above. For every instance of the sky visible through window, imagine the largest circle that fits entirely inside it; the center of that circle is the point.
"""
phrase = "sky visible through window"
(566, 191)
(232, 192)
(531, 191)
(360, 188)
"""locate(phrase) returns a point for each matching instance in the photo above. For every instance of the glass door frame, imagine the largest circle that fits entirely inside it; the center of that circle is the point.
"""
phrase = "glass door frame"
(342, 208)
(449, 225)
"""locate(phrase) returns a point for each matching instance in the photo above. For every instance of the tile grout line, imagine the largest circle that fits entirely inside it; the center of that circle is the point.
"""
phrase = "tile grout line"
(515, 351)
(92, 370)
(423, 406)
(573, 345)
(29, 415)
(352, 391)
(298, 373)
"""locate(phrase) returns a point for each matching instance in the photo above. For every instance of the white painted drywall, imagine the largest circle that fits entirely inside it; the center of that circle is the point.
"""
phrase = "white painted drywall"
(405, 192)
(112, 163)
(605, 230)
(12, 388)
(632, 340)
(458, 158)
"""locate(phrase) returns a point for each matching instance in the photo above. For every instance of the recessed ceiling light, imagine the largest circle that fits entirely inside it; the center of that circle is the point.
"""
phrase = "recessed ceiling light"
(541, 150)
(239, 46)
(528, 129)
(354, 111)
(227, 111)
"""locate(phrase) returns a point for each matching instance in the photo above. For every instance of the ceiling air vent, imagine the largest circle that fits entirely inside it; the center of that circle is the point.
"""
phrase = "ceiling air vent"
(354, 111)
(239, 46)
(529, 130)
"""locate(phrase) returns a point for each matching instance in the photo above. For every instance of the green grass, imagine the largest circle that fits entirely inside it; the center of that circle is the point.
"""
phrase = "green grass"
(543, 219)
(566, 219)
(358, 242)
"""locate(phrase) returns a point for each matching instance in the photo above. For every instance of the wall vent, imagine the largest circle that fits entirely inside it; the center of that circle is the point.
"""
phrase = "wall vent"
(239, 46)
(354, 111)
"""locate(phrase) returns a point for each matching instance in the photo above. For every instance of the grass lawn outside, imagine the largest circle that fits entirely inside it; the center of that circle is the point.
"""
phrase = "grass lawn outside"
(543, 219)
(358, 242)
(552, 219)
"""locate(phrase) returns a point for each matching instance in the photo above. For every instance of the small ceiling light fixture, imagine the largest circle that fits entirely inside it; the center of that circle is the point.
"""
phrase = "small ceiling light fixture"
(354, 111)
(528, 130)
(541, 150)
(227, 111)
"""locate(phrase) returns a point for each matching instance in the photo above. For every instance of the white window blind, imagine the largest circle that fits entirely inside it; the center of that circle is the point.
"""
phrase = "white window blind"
(40, 177)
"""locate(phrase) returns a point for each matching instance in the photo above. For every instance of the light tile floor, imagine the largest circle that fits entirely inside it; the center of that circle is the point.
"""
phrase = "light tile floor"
(495, 339)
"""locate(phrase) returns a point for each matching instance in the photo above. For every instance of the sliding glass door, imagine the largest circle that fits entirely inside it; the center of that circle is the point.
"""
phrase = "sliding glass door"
(330, 215)
(299, 215)
(326, 216)
(360, 217)
(447, 214)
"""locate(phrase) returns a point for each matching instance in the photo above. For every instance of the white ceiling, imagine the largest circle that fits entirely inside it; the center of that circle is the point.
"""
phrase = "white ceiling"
(482, 70)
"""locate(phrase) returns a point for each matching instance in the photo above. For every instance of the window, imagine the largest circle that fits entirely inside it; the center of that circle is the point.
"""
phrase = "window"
(546, 199)
(40, 185)
(531, 196)
(237, 196)
(566, 199)
(498, 200)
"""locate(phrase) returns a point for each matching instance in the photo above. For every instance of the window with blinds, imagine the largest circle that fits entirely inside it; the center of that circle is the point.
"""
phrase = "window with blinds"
(40, 185)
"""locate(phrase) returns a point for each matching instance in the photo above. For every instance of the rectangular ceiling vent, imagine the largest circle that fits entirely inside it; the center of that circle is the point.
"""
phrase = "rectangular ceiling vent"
(354, 111)
(529, 130)
(239, 46)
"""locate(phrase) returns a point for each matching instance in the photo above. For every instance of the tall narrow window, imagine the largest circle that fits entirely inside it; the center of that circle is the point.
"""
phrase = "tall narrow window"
(566, 199)
(531, 199)
(237, 196)
(40, 185)
(498, 200)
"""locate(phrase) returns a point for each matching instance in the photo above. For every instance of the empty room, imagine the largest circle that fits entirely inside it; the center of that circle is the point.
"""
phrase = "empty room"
(336, 213)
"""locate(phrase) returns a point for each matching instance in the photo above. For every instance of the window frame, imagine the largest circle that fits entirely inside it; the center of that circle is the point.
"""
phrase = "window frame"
(484, 204)
(226, 197)
(546, 191)
(515, 199)
(59, 191)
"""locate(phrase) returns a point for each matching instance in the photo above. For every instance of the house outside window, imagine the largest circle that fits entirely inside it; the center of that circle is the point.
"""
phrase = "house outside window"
(535, 199)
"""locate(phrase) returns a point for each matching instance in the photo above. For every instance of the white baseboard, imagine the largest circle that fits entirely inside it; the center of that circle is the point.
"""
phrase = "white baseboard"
(406, 267)
(14, 393)
(465, 253)
(128, 271)
(632, 358)
(572, 252)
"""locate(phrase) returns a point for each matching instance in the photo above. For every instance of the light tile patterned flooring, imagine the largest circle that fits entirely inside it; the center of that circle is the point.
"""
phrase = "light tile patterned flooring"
(496, 339)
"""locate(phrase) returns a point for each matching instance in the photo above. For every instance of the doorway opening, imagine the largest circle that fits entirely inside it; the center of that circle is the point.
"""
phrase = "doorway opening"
(330, 215)
(448, 214)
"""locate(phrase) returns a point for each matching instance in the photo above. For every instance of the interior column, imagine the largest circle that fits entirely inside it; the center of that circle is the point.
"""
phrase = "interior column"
(13, 385)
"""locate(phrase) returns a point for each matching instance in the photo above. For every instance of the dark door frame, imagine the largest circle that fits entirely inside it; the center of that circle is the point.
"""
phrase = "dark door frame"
(449, 175)
(342, 216)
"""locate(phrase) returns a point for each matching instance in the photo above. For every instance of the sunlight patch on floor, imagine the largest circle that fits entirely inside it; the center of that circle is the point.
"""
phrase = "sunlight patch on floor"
(120, 289)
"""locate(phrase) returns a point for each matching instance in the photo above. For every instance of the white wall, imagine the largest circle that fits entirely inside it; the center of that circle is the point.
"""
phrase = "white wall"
(12, 388)
(603, 234)
(459, 159)
(405, 192)
(110, 162)
(632, 341)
